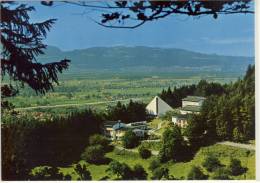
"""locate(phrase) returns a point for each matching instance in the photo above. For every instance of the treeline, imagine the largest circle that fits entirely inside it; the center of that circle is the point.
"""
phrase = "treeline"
(203, 88)
(131, 112)
(230, 116)
(38, 139)
(227, 116)
(228, 113)
(30, 140)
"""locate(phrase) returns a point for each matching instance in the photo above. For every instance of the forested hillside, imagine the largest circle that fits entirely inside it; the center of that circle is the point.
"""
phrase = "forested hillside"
(146, 59)
(228, 113)
(231, 116)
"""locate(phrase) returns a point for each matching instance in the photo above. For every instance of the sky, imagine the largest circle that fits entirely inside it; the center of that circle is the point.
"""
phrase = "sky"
(226, 35)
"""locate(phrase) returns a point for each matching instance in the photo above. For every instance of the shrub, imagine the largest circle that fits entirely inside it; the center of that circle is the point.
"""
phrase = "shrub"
(235, 167)
(47, 173)
(67, 177)
(82, 172)
(196, 174)
(154, 164)
(139, 173)
(94, 154)
(121, 170)
(221, 174)
(98, 139)
(211, 163)
(160, 173)
(144, 153)
(238, 136)
(130, 140)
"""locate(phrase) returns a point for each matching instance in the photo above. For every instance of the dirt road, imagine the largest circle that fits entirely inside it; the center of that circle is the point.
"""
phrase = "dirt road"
(244, 146)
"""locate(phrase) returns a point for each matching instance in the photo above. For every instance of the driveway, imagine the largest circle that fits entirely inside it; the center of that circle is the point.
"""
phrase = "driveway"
(234, 144)
(155, 153)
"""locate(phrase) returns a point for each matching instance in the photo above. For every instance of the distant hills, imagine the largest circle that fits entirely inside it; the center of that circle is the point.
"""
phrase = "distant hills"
(145, 59)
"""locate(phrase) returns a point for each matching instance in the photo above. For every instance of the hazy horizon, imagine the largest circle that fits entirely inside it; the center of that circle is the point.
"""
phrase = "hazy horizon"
(133, 46)
(227, 35)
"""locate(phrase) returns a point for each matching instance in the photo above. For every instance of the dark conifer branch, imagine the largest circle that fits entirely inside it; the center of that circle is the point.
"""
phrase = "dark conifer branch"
(22, 43)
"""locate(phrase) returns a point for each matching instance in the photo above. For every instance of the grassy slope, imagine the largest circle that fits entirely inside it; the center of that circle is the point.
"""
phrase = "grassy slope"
(178, 169)
(224, 153)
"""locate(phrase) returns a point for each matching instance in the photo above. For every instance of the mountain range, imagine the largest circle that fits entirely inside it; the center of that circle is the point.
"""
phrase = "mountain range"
(145, 59)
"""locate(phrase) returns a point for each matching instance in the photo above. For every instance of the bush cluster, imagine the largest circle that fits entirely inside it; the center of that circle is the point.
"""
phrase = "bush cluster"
(95, 152)
(144, 152)
(124, 172)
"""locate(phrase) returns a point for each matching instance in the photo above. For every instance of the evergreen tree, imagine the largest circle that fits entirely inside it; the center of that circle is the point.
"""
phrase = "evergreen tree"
(173, 147)
(82, 172)
(195, 131)
(22, 43)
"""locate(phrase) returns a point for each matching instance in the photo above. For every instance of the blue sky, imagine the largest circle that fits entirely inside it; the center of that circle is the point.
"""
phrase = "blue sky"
(227, 35)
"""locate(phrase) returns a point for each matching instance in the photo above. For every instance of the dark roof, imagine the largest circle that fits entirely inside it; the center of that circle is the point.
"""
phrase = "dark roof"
(193, 98)
(191, 108)
(119, 126)
(109, 123)
(140, 123)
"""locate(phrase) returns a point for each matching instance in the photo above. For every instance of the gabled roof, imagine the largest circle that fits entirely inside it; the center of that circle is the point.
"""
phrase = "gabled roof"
(158, 107)
(193, 98)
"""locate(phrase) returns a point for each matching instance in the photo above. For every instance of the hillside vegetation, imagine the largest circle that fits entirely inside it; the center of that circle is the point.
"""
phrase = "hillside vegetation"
(42, 139)
(179, 170)
(146, 59)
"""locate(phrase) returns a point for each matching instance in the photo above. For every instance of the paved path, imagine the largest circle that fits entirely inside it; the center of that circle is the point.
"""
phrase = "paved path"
(76, 104)
(155, 153)
(154, 130)
(244, 146)
(154, 140)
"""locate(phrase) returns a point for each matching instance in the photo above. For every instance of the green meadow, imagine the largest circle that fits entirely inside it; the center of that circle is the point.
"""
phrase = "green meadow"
(177, 169)
(92, 88)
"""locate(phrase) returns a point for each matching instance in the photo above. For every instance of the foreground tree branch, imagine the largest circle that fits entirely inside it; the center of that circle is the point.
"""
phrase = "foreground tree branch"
(22, 43)
(132, 14)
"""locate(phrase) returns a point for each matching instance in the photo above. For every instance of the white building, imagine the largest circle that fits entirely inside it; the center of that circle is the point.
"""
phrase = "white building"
(142, 125)
(115, 130)
(192, 101)
(180, 120)
(190, 105)
(190, 109)
(158, 107)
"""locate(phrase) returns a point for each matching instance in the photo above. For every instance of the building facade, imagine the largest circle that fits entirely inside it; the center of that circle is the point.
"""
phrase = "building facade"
(115, 130)
(190, 105)
(158, 107)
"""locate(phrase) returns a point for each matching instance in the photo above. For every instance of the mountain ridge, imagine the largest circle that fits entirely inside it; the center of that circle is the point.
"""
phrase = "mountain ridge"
(146, 59)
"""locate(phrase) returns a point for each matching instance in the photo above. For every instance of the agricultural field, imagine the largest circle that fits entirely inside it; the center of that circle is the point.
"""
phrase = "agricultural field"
(178, 170)
(98, 91)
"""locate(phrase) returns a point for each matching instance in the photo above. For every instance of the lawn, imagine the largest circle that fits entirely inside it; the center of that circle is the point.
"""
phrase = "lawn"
(99, 171)
(178, 170)
(154, 146)
(224, 153)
